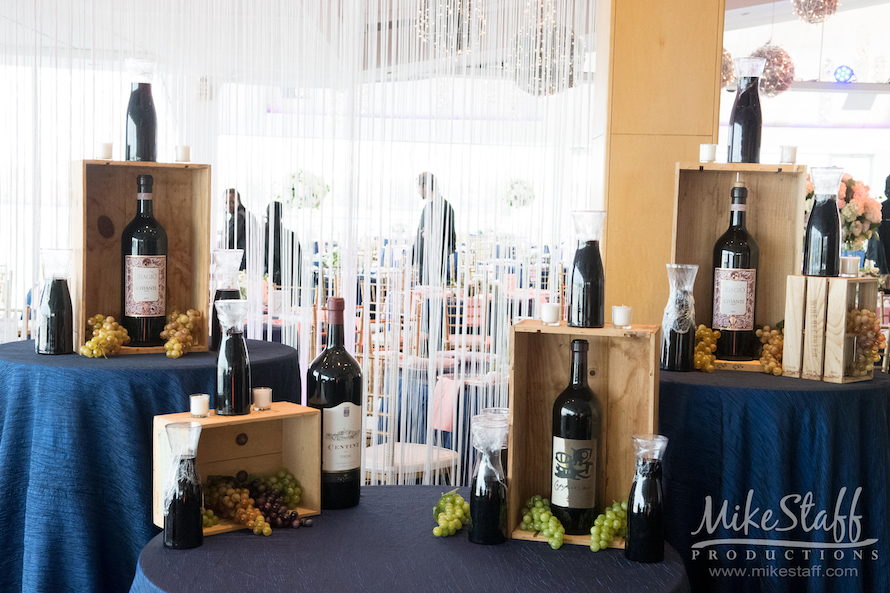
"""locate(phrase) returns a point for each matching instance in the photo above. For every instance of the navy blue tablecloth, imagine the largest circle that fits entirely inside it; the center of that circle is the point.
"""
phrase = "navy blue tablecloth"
(387, 544)
(75, 456)
(759, 443)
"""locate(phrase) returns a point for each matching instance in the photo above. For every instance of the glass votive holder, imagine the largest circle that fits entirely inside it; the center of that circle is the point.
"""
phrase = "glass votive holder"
(707, 153)
(105, 150)
(199, 405)
(183, 153)
(622, 316)
(849, 266)
(551, 313)
(262, 398)
(788, 154)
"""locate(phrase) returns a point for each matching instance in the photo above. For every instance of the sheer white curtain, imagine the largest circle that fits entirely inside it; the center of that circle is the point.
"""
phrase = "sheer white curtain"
(335, 108)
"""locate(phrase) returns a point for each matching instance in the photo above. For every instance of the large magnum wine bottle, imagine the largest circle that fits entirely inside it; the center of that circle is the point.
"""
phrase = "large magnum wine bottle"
(736, 258)
(577, 438)
(144, 271)
(335, 387)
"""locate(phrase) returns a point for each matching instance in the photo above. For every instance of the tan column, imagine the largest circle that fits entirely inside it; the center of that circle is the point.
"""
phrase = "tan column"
(657, 98)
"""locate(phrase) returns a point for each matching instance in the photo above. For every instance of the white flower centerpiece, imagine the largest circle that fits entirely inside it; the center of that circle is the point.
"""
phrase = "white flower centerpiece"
(307, 190)
(519, 194)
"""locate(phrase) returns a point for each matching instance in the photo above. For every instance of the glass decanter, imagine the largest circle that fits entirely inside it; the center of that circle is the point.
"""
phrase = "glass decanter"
(822, 244)
(586, 284)
(233, 394)
(645, 510)
(54, 325)
(226, 263)
(488, 488)
(142, 120)
(182, 495)
(746, 120)
(678, 323)
(504, 415)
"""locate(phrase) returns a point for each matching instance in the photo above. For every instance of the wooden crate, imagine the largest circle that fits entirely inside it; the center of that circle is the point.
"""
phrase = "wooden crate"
(104, 201)
(775, 219)
(623, 366)
(817, 346)
(288, 435)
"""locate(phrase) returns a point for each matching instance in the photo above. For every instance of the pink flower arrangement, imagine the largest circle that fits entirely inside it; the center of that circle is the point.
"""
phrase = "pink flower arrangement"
(860, 213)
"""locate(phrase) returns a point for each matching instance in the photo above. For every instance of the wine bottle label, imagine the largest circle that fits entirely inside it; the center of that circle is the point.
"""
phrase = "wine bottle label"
(734, 299)
(145, 286)
(341, 442)
(573, 480)
(145, 196)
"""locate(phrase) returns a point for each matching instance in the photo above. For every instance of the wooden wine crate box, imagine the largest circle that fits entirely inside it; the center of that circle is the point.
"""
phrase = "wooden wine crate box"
(623, 372)
(774, 218)
(287, 436)
(104, 202)
(816, 343)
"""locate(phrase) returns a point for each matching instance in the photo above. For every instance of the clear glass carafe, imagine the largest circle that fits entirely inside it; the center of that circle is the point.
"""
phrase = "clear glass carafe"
(746, 120)
(586, 283)
(645, 506)
(488, 488)
(504, 415)
(54, 324)
(233, 387)
(142, 120)
(822, 244)
(678, 323)
(226, 263)
(182, 494)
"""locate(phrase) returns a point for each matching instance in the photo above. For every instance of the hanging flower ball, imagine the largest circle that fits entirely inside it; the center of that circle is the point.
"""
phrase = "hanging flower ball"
(778, 74)
(727, 76)
(814, 11)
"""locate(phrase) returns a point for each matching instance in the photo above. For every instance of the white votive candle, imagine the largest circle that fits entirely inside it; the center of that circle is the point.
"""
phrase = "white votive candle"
(849, 266)
(622, 316)
(262, 398)
(788, 154)
(183, 153)
(105, 150)
(707, 153)
(550, 313)
(200, 405)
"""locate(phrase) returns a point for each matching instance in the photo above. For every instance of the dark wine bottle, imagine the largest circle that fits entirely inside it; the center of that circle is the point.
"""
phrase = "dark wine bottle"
(142, 124)
(746, 120)
(736, 258)
(577, 436)
(335, 387)
(144, 272)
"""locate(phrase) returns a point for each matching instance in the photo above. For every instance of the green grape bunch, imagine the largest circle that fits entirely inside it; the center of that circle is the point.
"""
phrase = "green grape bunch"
(537, 517)
(609, 525)
(451, 513)
(107, 338)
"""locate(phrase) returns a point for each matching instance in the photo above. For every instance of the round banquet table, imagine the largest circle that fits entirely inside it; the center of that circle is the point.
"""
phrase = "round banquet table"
(386, 544)
(75, 456)
(763, 443)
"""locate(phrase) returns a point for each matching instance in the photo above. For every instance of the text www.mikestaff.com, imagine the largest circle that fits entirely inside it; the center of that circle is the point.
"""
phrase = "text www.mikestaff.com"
(774, 571)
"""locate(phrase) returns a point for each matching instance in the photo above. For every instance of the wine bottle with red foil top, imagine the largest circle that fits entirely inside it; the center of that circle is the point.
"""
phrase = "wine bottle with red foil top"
(144, 271)
(736, 258)
(334, 385)
(577, 440)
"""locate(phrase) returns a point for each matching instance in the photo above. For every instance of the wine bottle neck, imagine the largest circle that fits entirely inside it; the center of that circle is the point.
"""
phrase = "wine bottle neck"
(739, 207)
(144, 204)
(737, 218)
(579, 368)
(335, 335)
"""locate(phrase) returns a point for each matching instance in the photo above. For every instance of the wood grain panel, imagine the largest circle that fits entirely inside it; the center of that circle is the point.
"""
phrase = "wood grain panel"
(665, 63)
(795, 305)
(639, 222)
(814, 329)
